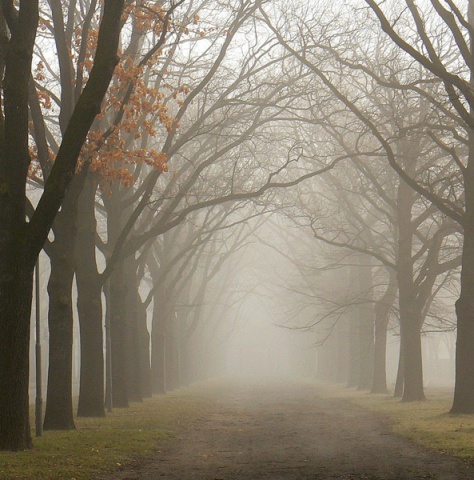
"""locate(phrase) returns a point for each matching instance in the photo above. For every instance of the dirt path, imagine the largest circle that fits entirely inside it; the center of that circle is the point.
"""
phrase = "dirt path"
(278, 432)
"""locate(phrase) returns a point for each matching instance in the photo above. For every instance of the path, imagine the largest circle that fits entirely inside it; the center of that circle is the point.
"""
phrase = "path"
(278, 432)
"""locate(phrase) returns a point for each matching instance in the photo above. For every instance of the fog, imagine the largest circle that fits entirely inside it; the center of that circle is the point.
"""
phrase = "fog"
(282, 308)
(198, 191)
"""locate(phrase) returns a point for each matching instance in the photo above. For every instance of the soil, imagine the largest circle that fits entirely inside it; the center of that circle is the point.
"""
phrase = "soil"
(280, 431)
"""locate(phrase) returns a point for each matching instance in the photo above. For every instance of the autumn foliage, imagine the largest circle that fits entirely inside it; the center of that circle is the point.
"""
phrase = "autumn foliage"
(137, 110)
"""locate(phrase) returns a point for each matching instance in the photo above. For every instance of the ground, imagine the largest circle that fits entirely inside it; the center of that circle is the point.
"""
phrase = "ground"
(275, 431)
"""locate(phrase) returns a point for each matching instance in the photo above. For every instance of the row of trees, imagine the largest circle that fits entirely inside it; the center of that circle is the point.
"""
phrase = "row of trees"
(400, 100)
(185, 120)
(180, 145)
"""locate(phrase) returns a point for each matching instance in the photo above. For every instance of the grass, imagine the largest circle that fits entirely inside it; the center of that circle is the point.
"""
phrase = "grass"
(99, 446)
(427, 423)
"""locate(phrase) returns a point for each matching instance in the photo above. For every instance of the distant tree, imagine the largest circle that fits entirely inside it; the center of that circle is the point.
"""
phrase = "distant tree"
(434, 178)
(424, 46)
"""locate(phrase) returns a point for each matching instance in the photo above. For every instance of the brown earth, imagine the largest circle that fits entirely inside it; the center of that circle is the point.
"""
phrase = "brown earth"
(288, 431)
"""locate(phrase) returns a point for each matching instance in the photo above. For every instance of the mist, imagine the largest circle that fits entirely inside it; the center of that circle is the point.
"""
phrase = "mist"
(236, 239)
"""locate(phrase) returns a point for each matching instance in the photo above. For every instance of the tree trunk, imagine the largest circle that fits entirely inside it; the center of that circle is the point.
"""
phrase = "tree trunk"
(59, 411)
(410, 325)
(382, 315)
(413, 371)
(170, 360)
(144, 351)
(20, 243)
(89, 306)
(464, 379)
(172, 356)
(117, 302)
(118, 293)
(410, 313)
(400, 381)
(158, 360)
(132, 347)
(158, 343)
(17, 260)
(15, 308)
(379, 384)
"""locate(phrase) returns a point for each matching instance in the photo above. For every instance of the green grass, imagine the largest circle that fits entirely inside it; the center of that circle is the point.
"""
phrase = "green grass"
(99, 446)
(427, 423)
(104, 445)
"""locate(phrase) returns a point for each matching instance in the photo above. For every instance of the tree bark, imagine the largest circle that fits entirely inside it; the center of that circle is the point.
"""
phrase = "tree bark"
(132, 347)
(15, 304)
(144, 350)
(170, 360)
(118, 293)
(118, 302)
(410, 312)
(382, 315)
(89, 306)
(16, 260)
(158, 343)
(400, 380)
(413, 365)
(464, 379)
(58, 413)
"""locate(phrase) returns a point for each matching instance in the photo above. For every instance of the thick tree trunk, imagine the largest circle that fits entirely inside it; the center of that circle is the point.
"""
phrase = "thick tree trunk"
(410, 312)
(464, 380)
(410, 335)
(89, 306)
(17, 258)
(464, 384)
(91, 389)
(118, 304)
(413, 371)
(59, 411)
(15, 308)
(117, 301)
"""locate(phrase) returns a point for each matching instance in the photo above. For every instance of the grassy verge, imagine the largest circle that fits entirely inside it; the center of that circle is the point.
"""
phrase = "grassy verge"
(103, 445)
(427, 423)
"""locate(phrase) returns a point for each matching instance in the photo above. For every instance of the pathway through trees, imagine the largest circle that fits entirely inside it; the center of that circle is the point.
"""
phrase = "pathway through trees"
(278, 431)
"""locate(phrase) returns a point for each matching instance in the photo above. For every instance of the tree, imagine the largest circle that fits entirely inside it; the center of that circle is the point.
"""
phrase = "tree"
(128, 106)
(433, 181)
(458, 86)
(21, 241)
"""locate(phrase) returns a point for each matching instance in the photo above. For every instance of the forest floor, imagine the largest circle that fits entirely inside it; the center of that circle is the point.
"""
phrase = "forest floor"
(290, 431)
